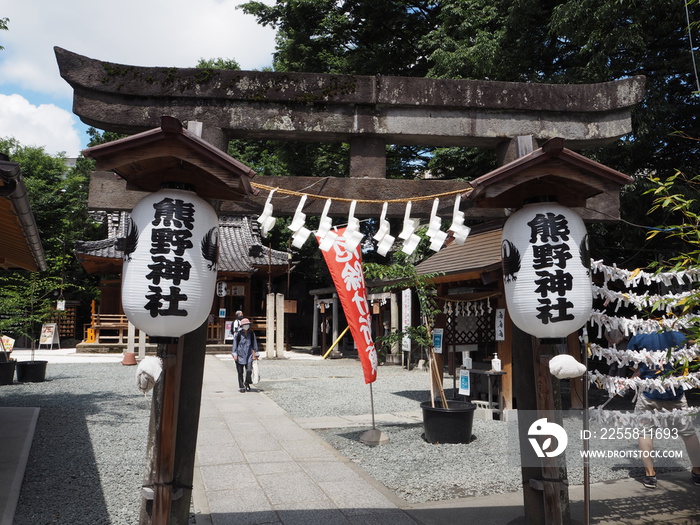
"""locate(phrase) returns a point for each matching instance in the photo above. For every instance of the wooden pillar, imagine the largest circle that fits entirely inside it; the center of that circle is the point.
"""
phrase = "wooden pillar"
(162, 436)
(394, 321)
(314, 333)
(554, 492)
(505, 353)
(279, 326)
(270, 326)
(525, 392)
(576, 385)
(192, 359)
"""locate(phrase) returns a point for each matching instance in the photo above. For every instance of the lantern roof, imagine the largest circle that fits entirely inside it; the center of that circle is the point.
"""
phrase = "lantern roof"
(551, 170)
(171, 153)
(481, 253)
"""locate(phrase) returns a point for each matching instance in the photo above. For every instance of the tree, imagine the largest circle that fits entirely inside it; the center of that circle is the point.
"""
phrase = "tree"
(58, 198)
(218, 63)
(553, 41)
(353, 37)
(349, 36)
(3, 27)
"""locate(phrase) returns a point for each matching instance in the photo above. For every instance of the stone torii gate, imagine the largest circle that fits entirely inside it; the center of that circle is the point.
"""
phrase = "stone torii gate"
(366, 112)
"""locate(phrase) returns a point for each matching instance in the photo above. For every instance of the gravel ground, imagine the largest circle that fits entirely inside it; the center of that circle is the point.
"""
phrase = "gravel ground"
(87, 459)
(88, 455)
(415, 470)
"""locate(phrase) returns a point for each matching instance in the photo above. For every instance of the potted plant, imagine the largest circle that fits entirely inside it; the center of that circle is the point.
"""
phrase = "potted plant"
(7, 365)
(444, 421)
(32, 371)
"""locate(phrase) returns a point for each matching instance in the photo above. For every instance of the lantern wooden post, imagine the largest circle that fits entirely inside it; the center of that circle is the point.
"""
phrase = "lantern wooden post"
(170, 154)
(165, 437)
(571, 179)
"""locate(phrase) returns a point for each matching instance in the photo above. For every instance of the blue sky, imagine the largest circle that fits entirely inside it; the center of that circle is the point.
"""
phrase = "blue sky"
(35, 102)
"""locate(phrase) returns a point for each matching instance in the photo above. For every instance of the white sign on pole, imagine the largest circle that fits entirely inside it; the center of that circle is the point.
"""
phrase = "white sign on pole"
(437, 340)
(464, 386)
(405, 318)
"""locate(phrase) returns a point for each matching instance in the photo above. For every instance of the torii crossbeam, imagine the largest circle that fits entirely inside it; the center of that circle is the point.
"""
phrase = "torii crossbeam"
(366, 112)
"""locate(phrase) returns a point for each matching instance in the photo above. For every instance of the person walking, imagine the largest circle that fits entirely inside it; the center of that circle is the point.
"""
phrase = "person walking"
(654, 401)
(245, 351)
(237, 322)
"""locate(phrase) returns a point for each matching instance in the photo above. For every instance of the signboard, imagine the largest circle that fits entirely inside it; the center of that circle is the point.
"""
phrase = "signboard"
(290, 306)
(222, 313)
(228, 331)
(8, 343)
(49, 335)
(437, 340)
(500, 324)
(405, 318)
(464, 386)
(238, 290)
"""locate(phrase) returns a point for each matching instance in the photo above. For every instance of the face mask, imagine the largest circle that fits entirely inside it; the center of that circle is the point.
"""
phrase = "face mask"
(245, 326)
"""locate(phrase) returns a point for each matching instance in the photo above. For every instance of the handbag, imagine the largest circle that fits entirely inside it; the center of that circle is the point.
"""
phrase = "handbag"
(256, 372)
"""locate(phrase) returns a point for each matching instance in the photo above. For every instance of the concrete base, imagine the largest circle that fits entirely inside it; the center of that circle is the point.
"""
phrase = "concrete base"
(510, 415)
(374, 437)
(393, 359)
(117, 348)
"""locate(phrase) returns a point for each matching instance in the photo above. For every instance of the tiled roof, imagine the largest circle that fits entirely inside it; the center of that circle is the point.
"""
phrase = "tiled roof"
(481, 252)
(105, 248)
(240, 247)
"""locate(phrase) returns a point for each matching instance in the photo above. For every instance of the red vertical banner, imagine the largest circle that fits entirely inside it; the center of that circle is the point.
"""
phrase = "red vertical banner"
(345, 267)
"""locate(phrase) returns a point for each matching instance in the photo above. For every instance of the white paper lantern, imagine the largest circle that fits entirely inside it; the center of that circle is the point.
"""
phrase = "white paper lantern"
(170, 257)
(546, 270)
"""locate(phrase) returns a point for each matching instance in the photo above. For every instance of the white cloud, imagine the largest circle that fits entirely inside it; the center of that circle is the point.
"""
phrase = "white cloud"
(46, 125)
(145, 33)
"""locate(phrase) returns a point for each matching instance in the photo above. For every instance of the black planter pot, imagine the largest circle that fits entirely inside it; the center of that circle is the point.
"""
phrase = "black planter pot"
(7, 372)
(448, 425)
(31, 371)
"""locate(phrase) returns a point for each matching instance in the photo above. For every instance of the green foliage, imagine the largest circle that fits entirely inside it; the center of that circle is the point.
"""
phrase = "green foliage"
(98, 137)
(401, 275)
(677, 198)
(58, 198)
(584, 41)
(218, 63)
(348, 36)
(354, 38)
(553, 41)
(281, 158)
(3, 27)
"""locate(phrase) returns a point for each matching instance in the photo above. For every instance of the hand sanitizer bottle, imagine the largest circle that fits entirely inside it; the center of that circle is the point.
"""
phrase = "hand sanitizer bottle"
(495, 363)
